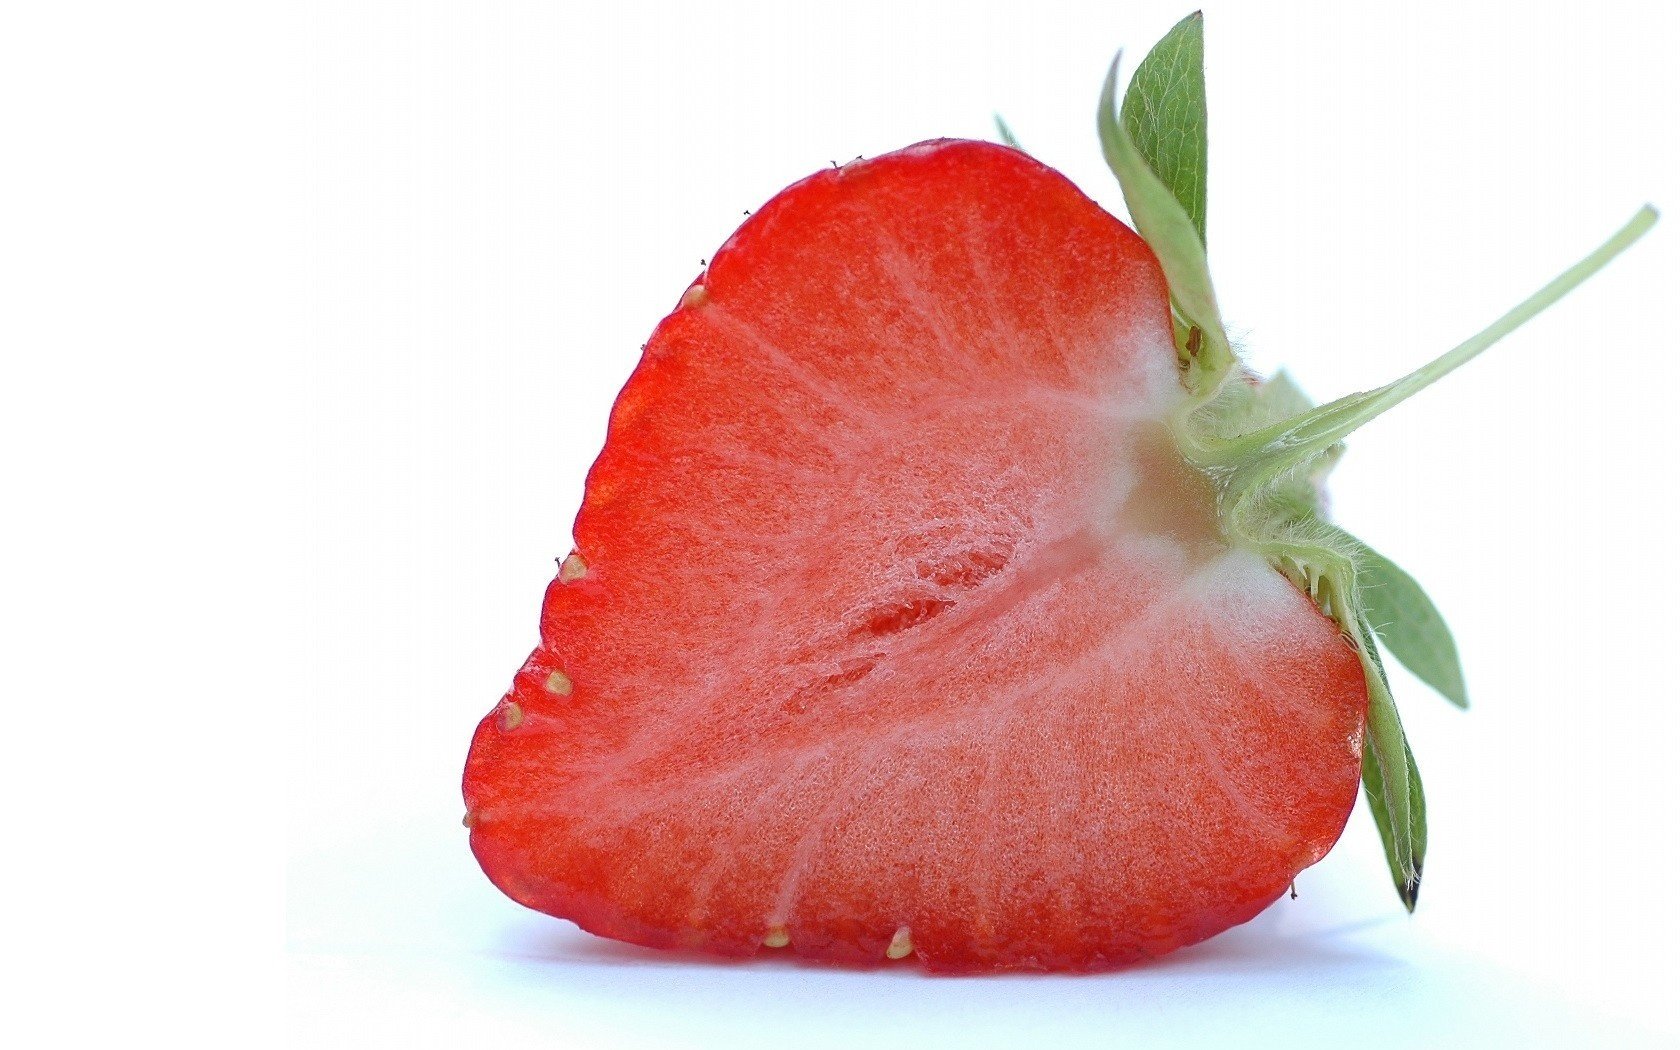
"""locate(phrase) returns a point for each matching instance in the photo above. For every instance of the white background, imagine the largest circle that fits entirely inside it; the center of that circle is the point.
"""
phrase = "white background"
(312, 316)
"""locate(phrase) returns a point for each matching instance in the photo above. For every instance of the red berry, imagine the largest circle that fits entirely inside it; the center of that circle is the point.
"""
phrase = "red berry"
(898, 626)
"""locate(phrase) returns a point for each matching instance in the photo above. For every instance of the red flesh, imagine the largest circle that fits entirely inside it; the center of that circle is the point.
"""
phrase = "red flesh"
(901, 611)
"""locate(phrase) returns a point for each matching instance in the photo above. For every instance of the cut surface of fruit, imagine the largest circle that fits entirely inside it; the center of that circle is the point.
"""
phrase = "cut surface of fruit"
(896, 624)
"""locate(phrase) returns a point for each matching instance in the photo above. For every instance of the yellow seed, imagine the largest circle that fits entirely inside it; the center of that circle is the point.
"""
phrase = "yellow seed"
(469, 819)
(777, 937)
(512, 715)
(558, 684)
(572, 568)
(900, 946)
(695, 296)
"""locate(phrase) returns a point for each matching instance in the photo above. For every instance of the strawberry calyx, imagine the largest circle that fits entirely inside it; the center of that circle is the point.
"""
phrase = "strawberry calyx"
(1267, 448)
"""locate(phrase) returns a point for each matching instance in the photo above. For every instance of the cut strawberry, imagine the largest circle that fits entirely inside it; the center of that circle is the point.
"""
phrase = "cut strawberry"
(934, 596)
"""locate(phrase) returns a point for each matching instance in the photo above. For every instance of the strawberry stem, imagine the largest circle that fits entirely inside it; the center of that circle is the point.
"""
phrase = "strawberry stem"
(1249, 461)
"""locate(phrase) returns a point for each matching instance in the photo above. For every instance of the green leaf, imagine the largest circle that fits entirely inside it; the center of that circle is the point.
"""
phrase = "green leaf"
(1409, 624)
(1390, 774)
(1170, 233)
(1405, 858)
(1165, 113)
(1005, 134)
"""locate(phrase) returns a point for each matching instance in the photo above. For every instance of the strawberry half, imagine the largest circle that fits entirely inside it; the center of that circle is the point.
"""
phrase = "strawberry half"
(943, 590)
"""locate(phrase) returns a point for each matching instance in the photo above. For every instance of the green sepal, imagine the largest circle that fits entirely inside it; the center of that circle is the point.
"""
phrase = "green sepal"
(1409, 625)
(1393, 787)
(1404, 854)
(1170, 232)
(1165, 114)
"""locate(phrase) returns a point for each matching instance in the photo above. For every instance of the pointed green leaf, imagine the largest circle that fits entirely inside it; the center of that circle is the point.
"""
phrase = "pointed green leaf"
(1405, 861)
(1165, 113)
(1167, 227)
(1392, 785)
(1409, 624)
(1007, 136)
